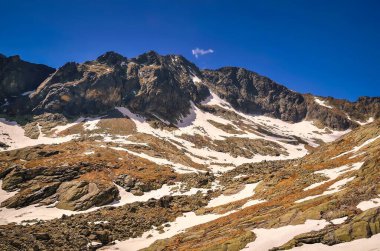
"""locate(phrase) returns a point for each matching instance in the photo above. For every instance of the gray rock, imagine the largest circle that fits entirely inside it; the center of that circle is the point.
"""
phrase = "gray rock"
(81, 195)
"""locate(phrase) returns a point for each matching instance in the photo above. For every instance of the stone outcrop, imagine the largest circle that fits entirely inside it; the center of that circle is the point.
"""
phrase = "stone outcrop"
(18, 76)
(361, 226)
(81, 195)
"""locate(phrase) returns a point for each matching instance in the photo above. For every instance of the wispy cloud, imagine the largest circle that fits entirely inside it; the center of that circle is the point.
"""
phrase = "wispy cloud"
(200, 52)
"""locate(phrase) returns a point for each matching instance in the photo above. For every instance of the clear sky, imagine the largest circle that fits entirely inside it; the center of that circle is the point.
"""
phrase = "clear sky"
(326, 47)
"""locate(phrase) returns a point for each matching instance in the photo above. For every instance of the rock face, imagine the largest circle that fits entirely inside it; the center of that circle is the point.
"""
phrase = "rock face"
(255, 94)
(150, 84)
(18, 76)
(331, 117)
(81, 195)
(251, 93)
(34, 194)
(360, 110)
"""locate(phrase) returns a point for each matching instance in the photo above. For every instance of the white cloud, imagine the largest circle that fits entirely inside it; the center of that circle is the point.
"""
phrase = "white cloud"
(200, 52)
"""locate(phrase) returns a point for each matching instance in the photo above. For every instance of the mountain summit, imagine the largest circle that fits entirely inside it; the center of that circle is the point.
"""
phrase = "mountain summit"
(165, 86)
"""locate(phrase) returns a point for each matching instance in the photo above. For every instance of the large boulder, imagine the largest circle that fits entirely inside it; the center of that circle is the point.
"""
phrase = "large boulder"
(81, 195)
(31, 195)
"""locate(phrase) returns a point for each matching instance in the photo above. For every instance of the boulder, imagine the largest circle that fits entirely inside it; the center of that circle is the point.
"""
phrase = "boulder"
(81, 195)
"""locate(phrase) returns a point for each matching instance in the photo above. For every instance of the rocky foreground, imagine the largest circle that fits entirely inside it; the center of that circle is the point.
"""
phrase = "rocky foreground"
(153, 153)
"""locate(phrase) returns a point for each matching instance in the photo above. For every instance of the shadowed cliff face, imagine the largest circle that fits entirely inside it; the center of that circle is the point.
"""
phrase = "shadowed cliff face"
(163, 87)
(18, 76)
(255, 94)
(251, 93)
(149, 84)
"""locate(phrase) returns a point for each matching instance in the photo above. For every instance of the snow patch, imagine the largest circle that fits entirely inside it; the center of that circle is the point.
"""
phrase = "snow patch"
(35, 212)
(222, 199)
(12, 134)
(365, 244)
(178, 226)
(61, 128)
(322, 103)
(357, 148)
(26, 93)
(368, 204)
(179, 168)
(91, 124)
(339, 220)
(274, 237)
(196, 79)
(370, 120)
(334, 188)
(252, 202)
(334, 173)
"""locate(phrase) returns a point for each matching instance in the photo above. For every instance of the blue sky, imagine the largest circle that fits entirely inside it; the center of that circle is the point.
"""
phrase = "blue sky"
(326, 47)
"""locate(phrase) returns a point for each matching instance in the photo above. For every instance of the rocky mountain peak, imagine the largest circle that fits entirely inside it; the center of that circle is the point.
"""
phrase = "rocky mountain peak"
(112, 58)
(149, 58)
(151, 84)
(165, 85)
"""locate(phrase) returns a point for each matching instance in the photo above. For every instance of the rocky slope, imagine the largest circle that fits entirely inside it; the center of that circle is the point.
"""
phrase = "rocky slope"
(291, 194)
(17, 77)
(152, 153)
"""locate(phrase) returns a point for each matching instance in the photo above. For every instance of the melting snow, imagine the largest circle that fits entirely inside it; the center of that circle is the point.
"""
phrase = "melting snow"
(178, 226)
(274, 237)
(127, 197)
(179, 168)
(196, 79)
(13, 135)
(339, 220)
(370, 120)
(35, 212)
(26, 93)
(365, 205)
(322, 103)
(222, 199)
(196, 122)
(100, 222)
(59, 129)
(252, 202)
(334, 188)
(4, 195)
(214, 99)
(334, 173)
(357, 148)
(91, 123)
(365, 244)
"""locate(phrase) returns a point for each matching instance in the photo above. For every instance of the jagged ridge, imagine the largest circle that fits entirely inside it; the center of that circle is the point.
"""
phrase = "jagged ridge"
(164, 87)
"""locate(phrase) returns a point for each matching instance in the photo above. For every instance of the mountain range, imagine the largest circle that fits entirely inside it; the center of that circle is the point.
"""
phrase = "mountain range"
(154, 153)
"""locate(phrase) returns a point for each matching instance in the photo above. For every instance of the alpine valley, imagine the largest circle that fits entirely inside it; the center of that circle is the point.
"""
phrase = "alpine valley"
(154, 153)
